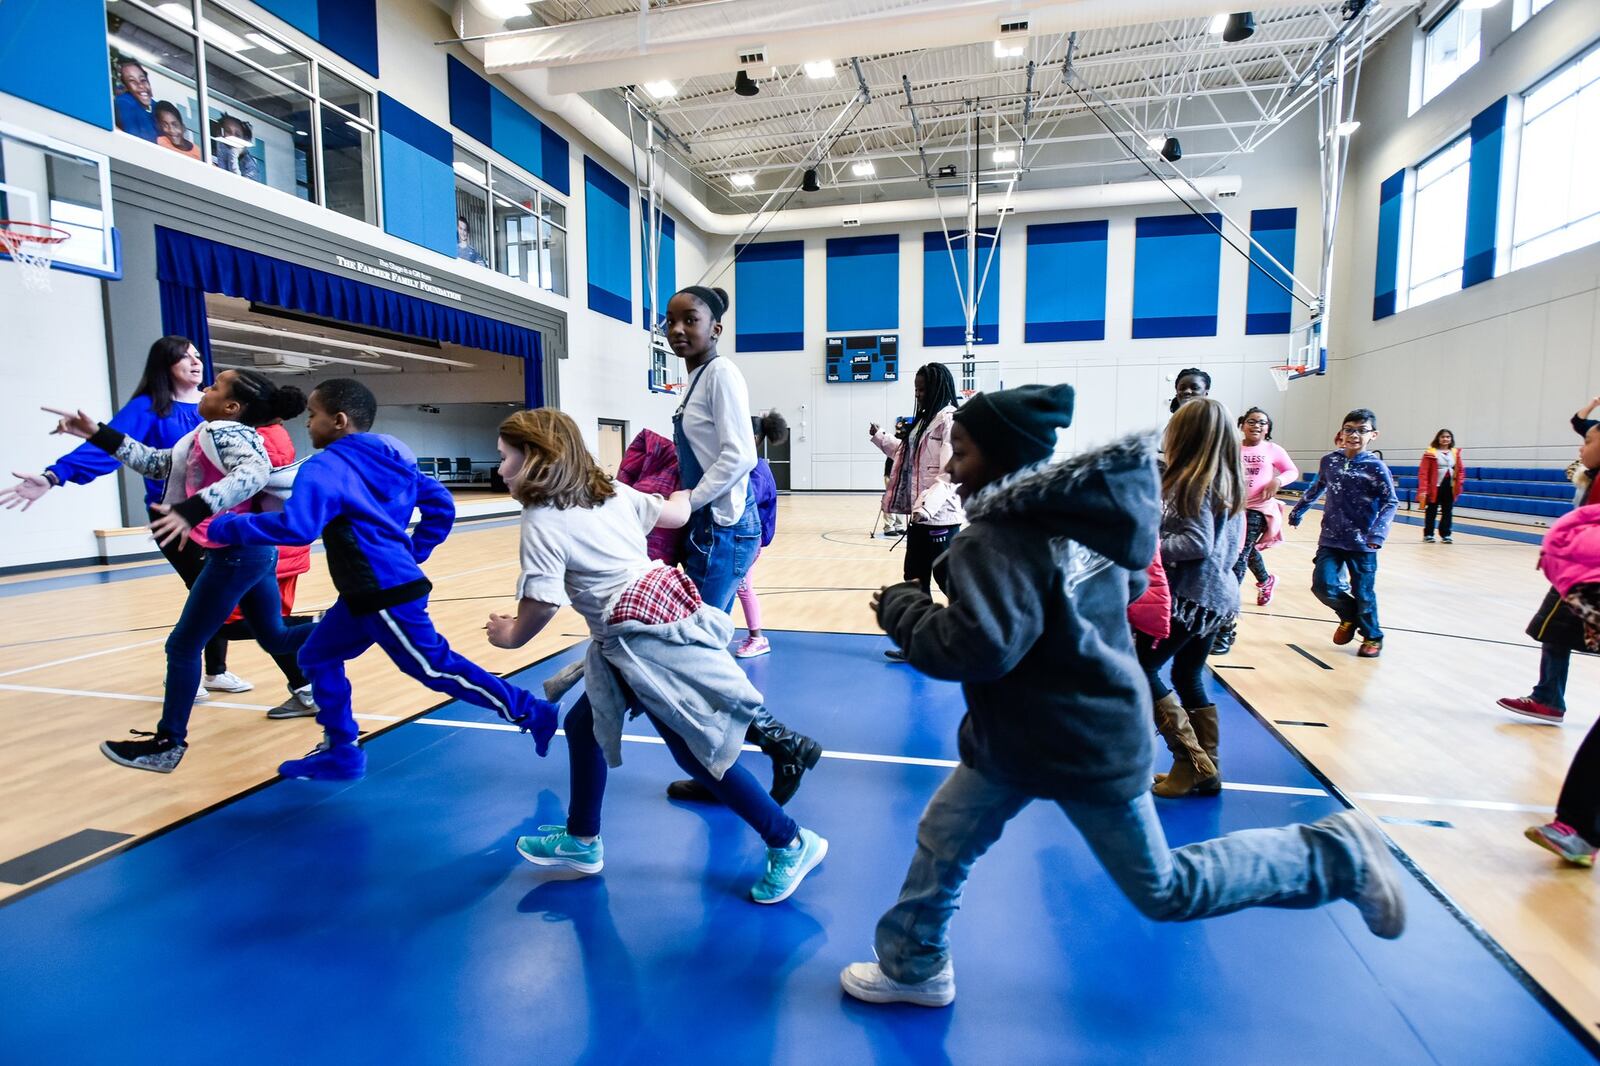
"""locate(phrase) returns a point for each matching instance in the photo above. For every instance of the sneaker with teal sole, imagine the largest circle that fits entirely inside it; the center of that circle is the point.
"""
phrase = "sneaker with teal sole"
(867, 982)
(787, 867)
(1564, 840)
(556, 848)
(328, 762)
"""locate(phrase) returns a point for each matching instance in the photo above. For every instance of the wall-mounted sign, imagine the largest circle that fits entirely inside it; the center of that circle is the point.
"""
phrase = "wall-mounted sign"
(399, 275)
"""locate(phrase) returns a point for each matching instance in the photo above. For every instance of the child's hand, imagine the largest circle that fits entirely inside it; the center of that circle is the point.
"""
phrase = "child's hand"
(1374, 544)
(502, 630)
(171, 526)
(1294, 518)
(877, 599)
(73, 423)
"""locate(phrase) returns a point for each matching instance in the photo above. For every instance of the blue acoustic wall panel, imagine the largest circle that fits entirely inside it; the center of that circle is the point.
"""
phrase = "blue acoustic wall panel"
(348, 27)
(864, 283)
(1177, 260)
(666, 267)
(944, 320)
(1066, 288)
(605, 205)
(419, 186)
(1386, 280)
(482, 111)
(1268, 305)
(53, 53)
(770, 297)
(1483, 193)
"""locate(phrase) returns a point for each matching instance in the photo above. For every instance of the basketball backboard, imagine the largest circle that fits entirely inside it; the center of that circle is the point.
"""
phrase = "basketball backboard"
(50, 182)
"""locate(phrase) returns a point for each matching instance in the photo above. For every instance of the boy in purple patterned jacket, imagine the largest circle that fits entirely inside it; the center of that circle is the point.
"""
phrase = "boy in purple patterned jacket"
(1355, 522)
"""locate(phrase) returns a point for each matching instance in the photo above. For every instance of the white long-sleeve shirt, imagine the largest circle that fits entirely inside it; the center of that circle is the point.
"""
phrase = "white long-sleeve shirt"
(716, 419)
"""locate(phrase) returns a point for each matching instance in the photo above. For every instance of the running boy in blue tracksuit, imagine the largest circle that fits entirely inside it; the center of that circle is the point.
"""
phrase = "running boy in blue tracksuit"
(357, 494)
(1355, 523)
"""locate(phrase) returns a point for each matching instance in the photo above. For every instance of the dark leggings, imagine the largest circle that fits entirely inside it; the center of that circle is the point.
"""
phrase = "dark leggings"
(289, 664)
(1255, 524)
(1442, 506)
(924, 544)
(1187, 652)
(187, 559)
(1579, 805)
(737, 790)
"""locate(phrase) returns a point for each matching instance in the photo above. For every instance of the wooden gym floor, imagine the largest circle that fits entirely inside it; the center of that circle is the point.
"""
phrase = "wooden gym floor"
(1413, 738)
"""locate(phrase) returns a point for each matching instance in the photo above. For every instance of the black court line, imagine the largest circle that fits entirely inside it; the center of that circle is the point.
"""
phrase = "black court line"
(1557, 1010)
(1308, 655)
(1397, 629)
(1313, 725)
(1227, 666)
(135, 842)
(53, 856)
(1432, 823)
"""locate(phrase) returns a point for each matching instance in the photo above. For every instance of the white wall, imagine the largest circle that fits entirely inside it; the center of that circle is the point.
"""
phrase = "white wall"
(56, 356)
(1123, 384)
(1504, 363)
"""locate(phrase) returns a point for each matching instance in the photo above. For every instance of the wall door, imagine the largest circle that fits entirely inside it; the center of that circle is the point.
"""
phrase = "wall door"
(613, 443)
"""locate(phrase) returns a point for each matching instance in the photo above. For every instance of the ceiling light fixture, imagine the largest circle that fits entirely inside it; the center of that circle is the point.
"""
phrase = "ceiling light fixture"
(661, 90)
(947, 171)
(1005, 155)
(267, 44)
(1241, 25)
(1154, 142)
(1478, 5)
(810, 183)
(742, 181)
(1007, 51)
(502, 9)
(863, 169)
(1219, 22)
(1345, 129)
(819, 69)
(745, 85)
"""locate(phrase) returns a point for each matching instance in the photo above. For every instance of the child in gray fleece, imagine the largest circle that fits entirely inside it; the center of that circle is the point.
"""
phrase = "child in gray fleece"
(1057, 707)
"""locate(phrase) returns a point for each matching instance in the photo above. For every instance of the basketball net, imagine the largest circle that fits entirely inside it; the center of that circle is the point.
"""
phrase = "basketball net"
(31, 246)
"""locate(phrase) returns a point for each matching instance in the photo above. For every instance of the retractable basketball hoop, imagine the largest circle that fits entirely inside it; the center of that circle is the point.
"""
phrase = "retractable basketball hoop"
(1285, 373)
(31, 245)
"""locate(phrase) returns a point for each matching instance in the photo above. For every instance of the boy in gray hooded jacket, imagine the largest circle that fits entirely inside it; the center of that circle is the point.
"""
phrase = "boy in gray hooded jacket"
(1057, 708)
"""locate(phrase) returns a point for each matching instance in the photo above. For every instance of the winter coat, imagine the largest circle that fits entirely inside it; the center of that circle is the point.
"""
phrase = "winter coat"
(933, 496)
(1571, 551)
(1361, 501)
(293, 559)
(651, 466)
(1428, 475)
(1199, 555)
(764, 491)
(1037, 627)
(1151, 614)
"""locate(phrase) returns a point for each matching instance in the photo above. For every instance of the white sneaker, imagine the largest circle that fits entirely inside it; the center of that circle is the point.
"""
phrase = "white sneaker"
(227, 681)
(868, 983)
(202, 695)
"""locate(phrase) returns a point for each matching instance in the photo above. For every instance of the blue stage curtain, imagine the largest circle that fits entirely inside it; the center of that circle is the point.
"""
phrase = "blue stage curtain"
(188, 267)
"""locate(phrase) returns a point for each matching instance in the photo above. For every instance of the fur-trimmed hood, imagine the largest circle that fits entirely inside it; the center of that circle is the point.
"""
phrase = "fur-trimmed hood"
(1107, 499)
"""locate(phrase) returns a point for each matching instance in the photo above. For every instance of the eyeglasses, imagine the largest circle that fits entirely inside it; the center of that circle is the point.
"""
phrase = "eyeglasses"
(1257, 422)
(1357, 431)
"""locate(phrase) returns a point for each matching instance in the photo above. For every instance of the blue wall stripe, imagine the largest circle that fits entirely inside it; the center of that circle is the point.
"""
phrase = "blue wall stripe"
(481, 110)
(418, 195)
(864, 283)
(1386, 281)
(769, 297)
(555, 157)
(515, 133)
(1176, 270)
(469, 101)
(350, 27)
(943, 314)
(1483, 193)
(303, 15)
(1065, 298)
(398, 120)
(608, 242)
(53, 53)
(1268, 306)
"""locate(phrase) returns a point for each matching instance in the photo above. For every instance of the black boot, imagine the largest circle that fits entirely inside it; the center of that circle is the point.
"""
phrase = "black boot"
(792, 754)
(1222, 643)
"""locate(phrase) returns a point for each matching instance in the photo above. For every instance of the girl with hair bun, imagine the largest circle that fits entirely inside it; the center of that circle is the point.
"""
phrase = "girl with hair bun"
(716, 454)
(220, 466)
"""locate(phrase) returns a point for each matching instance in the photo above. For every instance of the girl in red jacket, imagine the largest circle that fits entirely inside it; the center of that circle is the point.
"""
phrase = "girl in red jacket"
(1439, 479)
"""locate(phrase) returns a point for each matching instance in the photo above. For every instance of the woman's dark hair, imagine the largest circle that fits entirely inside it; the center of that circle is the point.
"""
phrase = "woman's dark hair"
(716, 300)
(1257, 411)
(261, 400)
(170, 108)
(1442, 432)
(938, 392)
(769, 428)
(156, 381)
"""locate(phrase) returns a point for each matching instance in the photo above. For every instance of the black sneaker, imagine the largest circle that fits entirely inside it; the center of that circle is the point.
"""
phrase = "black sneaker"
(895, 655)
(298, 705)
(690, 791)
(158, 754)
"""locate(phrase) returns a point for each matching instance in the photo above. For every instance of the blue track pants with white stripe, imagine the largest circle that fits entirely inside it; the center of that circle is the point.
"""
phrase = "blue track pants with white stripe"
(407, 635)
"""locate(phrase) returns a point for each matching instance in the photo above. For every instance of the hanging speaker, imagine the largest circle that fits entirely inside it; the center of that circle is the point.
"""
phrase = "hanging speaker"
(745, 85)
(1171, 150)
(810, 183)
(1241, 25)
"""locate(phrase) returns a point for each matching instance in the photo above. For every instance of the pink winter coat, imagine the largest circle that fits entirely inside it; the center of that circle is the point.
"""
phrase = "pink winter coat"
(1571, 552)
(1151, 614)
(933, 495)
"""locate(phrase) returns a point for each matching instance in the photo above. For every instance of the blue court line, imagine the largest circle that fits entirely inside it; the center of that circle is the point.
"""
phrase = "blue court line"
(1517, 535)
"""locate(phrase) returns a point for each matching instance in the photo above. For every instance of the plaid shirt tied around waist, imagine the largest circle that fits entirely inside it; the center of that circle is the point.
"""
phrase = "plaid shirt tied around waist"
(662, 596)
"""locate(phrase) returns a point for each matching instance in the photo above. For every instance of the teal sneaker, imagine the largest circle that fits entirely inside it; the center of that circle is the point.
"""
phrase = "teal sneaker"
(787, 867)
(556, 848)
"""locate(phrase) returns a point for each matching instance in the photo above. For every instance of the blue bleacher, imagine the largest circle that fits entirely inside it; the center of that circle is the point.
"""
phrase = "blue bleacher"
(1543, 492)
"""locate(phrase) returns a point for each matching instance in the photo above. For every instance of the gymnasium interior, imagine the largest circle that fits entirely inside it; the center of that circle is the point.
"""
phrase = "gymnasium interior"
(474, 207)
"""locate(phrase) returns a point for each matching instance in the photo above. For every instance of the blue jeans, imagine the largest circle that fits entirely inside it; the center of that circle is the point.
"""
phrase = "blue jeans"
(406, 634)
(1552, 687)
(1296, 866)
(245, 577)
(737, 790)
(717, 558)
(1354, 601)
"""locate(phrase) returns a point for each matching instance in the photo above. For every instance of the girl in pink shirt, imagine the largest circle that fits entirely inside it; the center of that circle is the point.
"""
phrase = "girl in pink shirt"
(1267, 468)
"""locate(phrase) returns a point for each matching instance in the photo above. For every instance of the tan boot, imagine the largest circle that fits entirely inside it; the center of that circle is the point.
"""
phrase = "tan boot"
(1204, 720)
(1193, 772)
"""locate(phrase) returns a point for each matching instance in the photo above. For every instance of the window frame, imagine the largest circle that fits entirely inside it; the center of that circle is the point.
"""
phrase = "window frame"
(1414, 189)
(1517, 200)
(1422, 96)
(540, 218)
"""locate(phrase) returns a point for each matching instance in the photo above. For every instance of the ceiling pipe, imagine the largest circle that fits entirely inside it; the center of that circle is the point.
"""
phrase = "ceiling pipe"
(590, 123)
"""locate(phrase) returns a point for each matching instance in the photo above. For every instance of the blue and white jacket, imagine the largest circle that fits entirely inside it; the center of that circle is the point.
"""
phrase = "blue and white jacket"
(138, 421)
(1361, 502)
(358, 495)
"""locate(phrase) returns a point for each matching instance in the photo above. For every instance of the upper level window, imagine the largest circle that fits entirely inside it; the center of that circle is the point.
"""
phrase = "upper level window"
(1523, 10)
(1439, 224)
(1558, 194)
(1450, 50)
(238, 97)
(508, 224)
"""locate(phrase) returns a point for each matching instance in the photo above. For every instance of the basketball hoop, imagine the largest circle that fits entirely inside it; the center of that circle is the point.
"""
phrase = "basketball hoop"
(31, 245)
(1282, 374)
